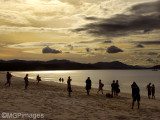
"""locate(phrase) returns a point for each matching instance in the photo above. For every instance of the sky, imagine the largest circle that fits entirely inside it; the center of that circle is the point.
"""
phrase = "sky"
(86, 31)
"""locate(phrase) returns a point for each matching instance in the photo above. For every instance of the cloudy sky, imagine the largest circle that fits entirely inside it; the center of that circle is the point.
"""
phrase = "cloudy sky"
(86, 31)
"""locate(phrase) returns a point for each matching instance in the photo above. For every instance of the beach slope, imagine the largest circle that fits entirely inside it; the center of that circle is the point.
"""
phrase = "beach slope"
(51, 99)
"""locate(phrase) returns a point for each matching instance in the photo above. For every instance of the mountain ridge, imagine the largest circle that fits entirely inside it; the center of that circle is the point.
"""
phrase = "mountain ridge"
(19, 65)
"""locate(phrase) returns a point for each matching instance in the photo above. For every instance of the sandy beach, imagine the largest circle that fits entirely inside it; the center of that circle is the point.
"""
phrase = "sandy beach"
(51, 99)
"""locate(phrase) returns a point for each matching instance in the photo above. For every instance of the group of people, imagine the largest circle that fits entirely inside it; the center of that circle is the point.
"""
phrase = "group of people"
(136, 93)
(9, 75)
(61, 80)
(151, 90)
(27, 82)
(114, 87)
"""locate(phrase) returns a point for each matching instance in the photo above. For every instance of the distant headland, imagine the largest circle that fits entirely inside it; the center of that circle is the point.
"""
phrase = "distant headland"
(22, 65)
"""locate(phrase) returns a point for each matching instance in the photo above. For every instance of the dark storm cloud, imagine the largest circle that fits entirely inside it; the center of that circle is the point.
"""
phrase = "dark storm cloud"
(150, 42)
(91, 18)
(50, 50)
(127, 24)
(70, 46)
(88, 49)
(144, 8)
(99, 49)
(107, 41)
(140, 46)
(114, 49)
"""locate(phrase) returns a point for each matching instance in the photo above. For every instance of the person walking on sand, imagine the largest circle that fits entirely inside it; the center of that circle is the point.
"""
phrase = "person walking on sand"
(100, 87)
(38, 79)
(88, 85)
(113, 88)
(117, 87)
(69, 89)
(153, 91)
(149, 90)
(26, 81)
(135, 94)
(8, 76)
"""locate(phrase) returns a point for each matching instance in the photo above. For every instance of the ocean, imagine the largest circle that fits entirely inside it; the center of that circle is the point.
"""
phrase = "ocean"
(125, 78)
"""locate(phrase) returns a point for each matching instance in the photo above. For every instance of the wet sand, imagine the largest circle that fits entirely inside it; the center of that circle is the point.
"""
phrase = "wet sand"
(51, 99)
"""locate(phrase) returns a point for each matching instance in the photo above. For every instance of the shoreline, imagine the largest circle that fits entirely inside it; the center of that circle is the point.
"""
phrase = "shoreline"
(52, 100)
(76, 81)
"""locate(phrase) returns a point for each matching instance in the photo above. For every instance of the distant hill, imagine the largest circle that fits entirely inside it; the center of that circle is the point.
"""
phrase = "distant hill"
(22, 65)
(156, 67)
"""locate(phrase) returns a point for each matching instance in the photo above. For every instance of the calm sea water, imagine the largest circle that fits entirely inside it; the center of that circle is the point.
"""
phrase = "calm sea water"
(125, 77)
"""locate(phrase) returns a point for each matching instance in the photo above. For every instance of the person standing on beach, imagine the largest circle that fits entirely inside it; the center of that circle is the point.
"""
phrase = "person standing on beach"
(60, 79)
(153, 91)
(113, 88)
(26, 81)
(38, 79)
(69, 86)
(100, 87)
(8, 76)
(88, 85)
(117, 87)
(149, 90)
(135, 94)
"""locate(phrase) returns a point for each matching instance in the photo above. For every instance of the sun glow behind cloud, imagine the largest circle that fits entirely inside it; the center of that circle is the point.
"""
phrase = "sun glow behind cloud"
(27, 26)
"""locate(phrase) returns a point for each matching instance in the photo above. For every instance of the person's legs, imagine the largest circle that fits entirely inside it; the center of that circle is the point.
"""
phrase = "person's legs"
(149, 94)
(87, 92)
(138, 104)
(153, 96)
(102, 91)
(26, 86)
(9, 83)
(6, 83)
(114, 93)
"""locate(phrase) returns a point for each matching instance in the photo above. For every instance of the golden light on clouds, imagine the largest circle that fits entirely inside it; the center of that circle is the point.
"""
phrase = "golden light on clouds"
(83, 30)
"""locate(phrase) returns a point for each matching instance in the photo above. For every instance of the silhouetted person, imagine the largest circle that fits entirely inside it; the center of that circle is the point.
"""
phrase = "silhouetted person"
(8, 76)
(153, 91)
(69, 86)
(117, 87)
(135, 94)
(113, 85)
(60, 79)
(38, 79)
(88, 85)
(149, 90)
(26, 81)
(100, 87)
